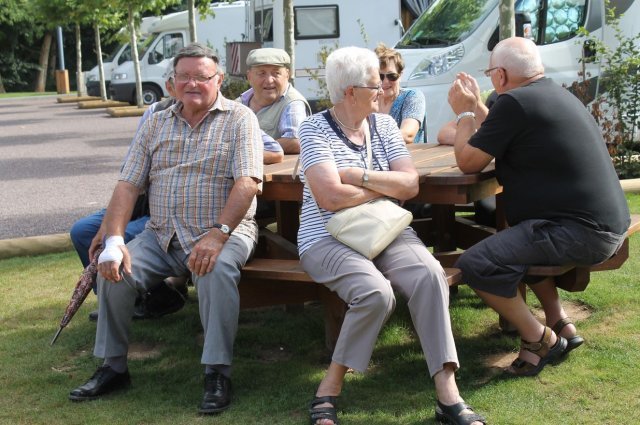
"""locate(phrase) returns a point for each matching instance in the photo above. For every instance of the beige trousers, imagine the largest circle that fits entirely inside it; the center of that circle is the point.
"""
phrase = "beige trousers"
(406, 267)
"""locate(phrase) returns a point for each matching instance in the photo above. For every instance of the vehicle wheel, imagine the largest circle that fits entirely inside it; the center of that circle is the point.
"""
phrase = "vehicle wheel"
(150, 94)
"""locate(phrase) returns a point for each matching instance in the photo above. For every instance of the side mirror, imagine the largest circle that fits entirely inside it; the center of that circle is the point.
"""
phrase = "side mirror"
(523, 25)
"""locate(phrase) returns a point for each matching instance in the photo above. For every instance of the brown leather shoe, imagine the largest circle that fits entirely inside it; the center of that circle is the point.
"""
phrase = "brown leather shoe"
(103, 381)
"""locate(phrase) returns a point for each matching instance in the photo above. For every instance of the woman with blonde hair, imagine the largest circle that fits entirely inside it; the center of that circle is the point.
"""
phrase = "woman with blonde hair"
(406, 106)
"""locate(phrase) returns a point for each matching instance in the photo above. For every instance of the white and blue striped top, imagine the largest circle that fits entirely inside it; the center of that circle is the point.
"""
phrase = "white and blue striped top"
(320, 142)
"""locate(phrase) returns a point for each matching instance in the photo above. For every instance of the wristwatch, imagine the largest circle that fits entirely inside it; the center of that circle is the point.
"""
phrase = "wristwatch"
(223, 228)
(365, 177)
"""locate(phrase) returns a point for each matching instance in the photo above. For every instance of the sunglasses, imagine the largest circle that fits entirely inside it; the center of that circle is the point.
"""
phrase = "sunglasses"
(392, 76)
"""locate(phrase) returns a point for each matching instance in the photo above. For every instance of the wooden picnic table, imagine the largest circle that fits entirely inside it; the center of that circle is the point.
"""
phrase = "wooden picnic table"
(442, 185)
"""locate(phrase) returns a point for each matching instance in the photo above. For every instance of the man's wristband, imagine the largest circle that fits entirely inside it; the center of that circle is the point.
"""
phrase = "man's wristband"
(465, 114)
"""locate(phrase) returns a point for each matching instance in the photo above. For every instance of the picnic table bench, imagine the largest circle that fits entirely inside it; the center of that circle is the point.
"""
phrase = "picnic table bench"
(268, 281)
(576, 278)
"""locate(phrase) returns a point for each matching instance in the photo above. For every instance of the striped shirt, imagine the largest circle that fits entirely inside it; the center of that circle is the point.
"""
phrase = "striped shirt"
(320, 143)
(189, 172)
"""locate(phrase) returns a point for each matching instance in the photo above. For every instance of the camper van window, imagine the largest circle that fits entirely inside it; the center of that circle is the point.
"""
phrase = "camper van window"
(264, 32)
(316, 22)
(112, 56)
(563, 20)
(146, 44)
(446, 22)
(167, 47)
(173, 43)
(125, 56)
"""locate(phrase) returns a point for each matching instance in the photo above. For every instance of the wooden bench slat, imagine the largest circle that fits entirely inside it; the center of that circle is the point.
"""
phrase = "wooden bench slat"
(290, 270)
(571, 278)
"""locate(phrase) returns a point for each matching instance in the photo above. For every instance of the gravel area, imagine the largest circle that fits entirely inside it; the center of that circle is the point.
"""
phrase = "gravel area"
(57, 163)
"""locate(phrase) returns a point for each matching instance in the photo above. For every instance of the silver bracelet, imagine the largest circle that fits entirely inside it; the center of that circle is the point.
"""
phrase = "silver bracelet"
(465, 114)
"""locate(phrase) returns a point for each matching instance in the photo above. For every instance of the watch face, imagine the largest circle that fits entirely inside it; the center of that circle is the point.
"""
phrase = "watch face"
(225, 229)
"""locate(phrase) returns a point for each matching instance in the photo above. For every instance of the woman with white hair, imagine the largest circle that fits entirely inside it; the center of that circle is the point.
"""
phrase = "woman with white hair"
(334, 164)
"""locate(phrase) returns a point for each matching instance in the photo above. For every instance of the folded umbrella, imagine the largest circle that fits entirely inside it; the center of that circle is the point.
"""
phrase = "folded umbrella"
(83, 287)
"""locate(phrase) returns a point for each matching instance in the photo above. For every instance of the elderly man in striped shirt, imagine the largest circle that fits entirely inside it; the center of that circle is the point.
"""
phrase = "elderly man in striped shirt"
(201, 164)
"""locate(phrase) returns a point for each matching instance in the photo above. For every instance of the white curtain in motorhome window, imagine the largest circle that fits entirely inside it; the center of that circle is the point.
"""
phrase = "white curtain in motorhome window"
(316, 22)
(416, 7)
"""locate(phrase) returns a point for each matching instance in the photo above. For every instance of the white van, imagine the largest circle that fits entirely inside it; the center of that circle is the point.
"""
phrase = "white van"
(453, 36)
(168, 36)
(120, 55)
(328, 24)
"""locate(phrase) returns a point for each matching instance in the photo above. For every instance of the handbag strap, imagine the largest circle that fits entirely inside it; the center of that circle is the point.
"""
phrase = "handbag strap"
(369, 164)
(367, 141)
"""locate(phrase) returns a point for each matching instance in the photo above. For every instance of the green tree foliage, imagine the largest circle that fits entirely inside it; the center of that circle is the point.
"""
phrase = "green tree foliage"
(20, 38)
(617, 108)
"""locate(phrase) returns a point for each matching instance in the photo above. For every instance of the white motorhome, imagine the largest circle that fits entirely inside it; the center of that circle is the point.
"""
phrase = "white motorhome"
(120, 55)
(325, 24)
(170, 34)
(452, 36)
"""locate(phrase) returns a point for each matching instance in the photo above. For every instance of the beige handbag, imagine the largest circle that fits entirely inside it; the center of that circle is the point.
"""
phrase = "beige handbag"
(370, 227)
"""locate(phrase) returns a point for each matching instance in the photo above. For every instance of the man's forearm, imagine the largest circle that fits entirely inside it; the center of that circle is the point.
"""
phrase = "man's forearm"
(120, 209)
(240, 198)
(289, 146)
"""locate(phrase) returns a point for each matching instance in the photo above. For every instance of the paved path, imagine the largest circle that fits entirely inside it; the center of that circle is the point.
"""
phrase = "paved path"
(57, 163)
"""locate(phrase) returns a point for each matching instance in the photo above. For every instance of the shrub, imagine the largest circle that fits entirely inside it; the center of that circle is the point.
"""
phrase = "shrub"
(617, 108)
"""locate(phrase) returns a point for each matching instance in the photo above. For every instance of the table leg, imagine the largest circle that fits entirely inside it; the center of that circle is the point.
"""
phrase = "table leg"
(444, 220)
(288, 218)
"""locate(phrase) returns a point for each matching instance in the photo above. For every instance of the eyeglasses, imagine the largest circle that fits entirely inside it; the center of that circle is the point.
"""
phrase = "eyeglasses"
(392, 76)
(487, 72)
(376, 88)
(200, 79)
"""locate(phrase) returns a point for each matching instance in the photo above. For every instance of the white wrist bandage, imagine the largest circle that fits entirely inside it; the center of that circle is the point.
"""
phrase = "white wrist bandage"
(112, 251)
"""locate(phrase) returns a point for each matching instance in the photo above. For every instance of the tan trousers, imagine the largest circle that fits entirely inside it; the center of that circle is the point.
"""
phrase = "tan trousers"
(406, 267)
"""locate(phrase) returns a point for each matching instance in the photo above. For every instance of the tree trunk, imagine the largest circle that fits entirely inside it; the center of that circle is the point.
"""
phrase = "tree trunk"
(507, 19)
(43, 63)
(79, 73)
(103, 89)
(53, 60)
(289, 41)
(134, 56)
(192, 20)
(2, 90)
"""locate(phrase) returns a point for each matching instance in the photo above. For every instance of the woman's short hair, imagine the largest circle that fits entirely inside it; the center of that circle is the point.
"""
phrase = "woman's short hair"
(348, 66)
(387, 54)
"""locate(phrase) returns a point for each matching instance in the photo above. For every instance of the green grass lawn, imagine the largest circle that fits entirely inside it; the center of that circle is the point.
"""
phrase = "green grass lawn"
(280, 358)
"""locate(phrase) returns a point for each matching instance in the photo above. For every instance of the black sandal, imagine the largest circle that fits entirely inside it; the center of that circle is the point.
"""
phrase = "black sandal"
(318, 413)
(572, 342)
(454, 415)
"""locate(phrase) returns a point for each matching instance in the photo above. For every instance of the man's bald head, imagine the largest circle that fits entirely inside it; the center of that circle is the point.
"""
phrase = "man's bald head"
(519, 56)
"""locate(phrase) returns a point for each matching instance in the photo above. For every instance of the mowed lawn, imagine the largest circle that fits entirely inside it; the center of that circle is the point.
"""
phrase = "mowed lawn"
(280, 358)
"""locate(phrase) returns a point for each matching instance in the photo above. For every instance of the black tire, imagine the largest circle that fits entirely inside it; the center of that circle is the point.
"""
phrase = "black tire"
(150, 94)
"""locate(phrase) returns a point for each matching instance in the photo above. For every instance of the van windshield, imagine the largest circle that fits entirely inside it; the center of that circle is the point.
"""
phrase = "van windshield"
(446, 22)
(146, 43)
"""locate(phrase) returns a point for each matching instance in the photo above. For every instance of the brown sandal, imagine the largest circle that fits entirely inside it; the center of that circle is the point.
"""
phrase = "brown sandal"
(572, 342)
(520, 367)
